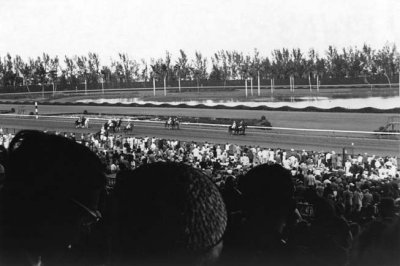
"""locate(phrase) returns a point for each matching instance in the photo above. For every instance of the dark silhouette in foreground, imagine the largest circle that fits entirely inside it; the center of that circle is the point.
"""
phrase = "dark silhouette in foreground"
(167, 214)
(49, 202)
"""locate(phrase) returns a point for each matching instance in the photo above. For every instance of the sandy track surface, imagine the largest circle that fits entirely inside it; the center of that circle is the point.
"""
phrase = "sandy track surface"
(270, 139)
(307, 120)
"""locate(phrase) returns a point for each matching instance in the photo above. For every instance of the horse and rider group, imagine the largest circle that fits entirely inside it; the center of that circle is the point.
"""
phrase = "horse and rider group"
(82, 122)
(172, 123)
(237, 128)
(115, 125)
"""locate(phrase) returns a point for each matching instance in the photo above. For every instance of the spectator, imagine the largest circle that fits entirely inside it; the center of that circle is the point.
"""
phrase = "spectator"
(367, 199)
(348, 201)
(329, 237)
(357, 200)
(379, 243)
(167, 213)
(267, 192)
(49, 201)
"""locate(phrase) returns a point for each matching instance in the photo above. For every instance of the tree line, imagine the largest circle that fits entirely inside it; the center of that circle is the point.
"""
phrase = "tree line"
(224, 66)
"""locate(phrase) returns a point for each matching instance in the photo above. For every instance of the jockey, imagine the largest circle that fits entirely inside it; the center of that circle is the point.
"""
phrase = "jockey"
(129, 125)
(241, 124)
(234, 124)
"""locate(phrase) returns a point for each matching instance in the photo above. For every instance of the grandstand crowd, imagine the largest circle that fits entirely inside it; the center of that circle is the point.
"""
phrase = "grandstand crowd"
(111, 199)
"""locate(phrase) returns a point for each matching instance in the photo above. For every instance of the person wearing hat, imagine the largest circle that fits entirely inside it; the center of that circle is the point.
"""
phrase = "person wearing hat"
(166, 214)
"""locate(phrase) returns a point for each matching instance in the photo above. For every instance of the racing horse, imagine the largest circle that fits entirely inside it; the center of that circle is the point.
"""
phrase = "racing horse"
(237, 129)
(82, 122)
(128, 127)
(172, 123)
(113, 125)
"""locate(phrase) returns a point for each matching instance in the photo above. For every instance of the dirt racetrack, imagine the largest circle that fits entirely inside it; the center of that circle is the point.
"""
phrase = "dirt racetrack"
(274, 139)
(309, 120)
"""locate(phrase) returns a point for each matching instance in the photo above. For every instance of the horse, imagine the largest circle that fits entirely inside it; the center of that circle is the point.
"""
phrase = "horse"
(86, 123)
(232, 130)
(237, 130)
(78, 123)
(118, 124)
(242, 129)
(128, 127)
(172, 123)
(111, 125)
(168, 123)
(175, 123)
(82, 122)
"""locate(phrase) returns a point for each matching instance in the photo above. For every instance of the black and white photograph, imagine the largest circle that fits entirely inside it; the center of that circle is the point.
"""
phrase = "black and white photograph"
(199, 133)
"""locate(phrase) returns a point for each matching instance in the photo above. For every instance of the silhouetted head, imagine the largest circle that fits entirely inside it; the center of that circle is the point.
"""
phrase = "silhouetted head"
(386, 207)
(167, 213)
(267, 193)
(268, 188)
(50, 196)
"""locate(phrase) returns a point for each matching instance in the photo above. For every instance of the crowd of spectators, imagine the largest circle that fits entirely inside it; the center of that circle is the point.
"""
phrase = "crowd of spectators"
(276, 206)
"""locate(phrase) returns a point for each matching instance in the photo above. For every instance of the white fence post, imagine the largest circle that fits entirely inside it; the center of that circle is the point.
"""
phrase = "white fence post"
(154, 87)
(165, 86)
(245, 86)
(251, 85)
(272, 85)
(292, 83)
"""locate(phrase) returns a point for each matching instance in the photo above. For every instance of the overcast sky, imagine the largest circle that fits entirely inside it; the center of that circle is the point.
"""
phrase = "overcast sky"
(146, 29)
